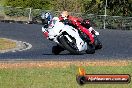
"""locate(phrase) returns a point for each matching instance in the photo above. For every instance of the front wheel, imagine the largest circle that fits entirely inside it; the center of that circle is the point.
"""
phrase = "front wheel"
(70, 46)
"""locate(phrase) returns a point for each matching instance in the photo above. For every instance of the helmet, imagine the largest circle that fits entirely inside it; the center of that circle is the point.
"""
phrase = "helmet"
(64, 14)
(47, 14)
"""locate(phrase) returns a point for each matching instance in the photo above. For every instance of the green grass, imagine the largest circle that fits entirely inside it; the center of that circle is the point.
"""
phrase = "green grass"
(57, 77)
(6, 44)
(2, 2)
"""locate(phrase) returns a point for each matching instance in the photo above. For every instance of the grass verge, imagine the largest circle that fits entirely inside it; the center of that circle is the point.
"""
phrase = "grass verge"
(6, 44)
(38, 75)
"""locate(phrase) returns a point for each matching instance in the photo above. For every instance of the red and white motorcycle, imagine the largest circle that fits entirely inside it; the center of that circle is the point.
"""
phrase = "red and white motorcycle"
(68, 38)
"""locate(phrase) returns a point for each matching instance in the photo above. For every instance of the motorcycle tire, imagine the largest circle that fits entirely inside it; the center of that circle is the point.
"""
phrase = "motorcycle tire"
(90, 49)
(98, 44)
(57, 49)
(66, 43)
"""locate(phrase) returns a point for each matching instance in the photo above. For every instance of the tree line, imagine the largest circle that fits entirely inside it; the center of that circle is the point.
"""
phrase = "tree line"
(114, 7)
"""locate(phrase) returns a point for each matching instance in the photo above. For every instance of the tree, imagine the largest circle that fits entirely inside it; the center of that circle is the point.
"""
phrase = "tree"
(36, 4)
(94, 6)
(69, 5)
(120, 7)
(115, 7)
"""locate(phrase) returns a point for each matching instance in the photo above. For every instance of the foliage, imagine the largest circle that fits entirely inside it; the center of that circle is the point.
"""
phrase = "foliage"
(69, 5)
(120, 7)
(2, 2)
(114, 7)
(94, 6)
(36, 4)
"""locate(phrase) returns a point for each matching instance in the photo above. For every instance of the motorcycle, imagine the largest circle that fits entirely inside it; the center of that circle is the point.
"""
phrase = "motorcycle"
(67, 38)
(97, 43)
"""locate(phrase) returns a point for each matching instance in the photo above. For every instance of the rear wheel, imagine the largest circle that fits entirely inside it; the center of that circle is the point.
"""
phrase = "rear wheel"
(90, 49)
(70, 46)
(98, 44)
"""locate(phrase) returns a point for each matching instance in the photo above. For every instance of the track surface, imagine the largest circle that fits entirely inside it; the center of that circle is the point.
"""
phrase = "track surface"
(117, 44)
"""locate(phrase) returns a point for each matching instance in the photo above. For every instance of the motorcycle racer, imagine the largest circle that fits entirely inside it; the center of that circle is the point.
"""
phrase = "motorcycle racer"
(46, 18)
(78, 23)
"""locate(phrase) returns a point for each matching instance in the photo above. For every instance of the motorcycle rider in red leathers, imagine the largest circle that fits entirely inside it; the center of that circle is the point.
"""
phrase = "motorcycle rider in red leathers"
(79, 23)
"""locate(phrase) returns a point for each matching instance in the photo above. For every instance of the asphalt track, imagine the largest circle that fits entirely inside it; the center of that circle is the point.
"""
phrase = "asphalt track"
(117, 44)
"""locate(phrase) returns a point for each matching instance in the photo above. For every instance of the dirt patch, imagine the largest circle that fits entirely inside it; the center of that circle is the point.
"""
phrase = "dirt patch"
(6, 44)
(9, 45)
(63, 64)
